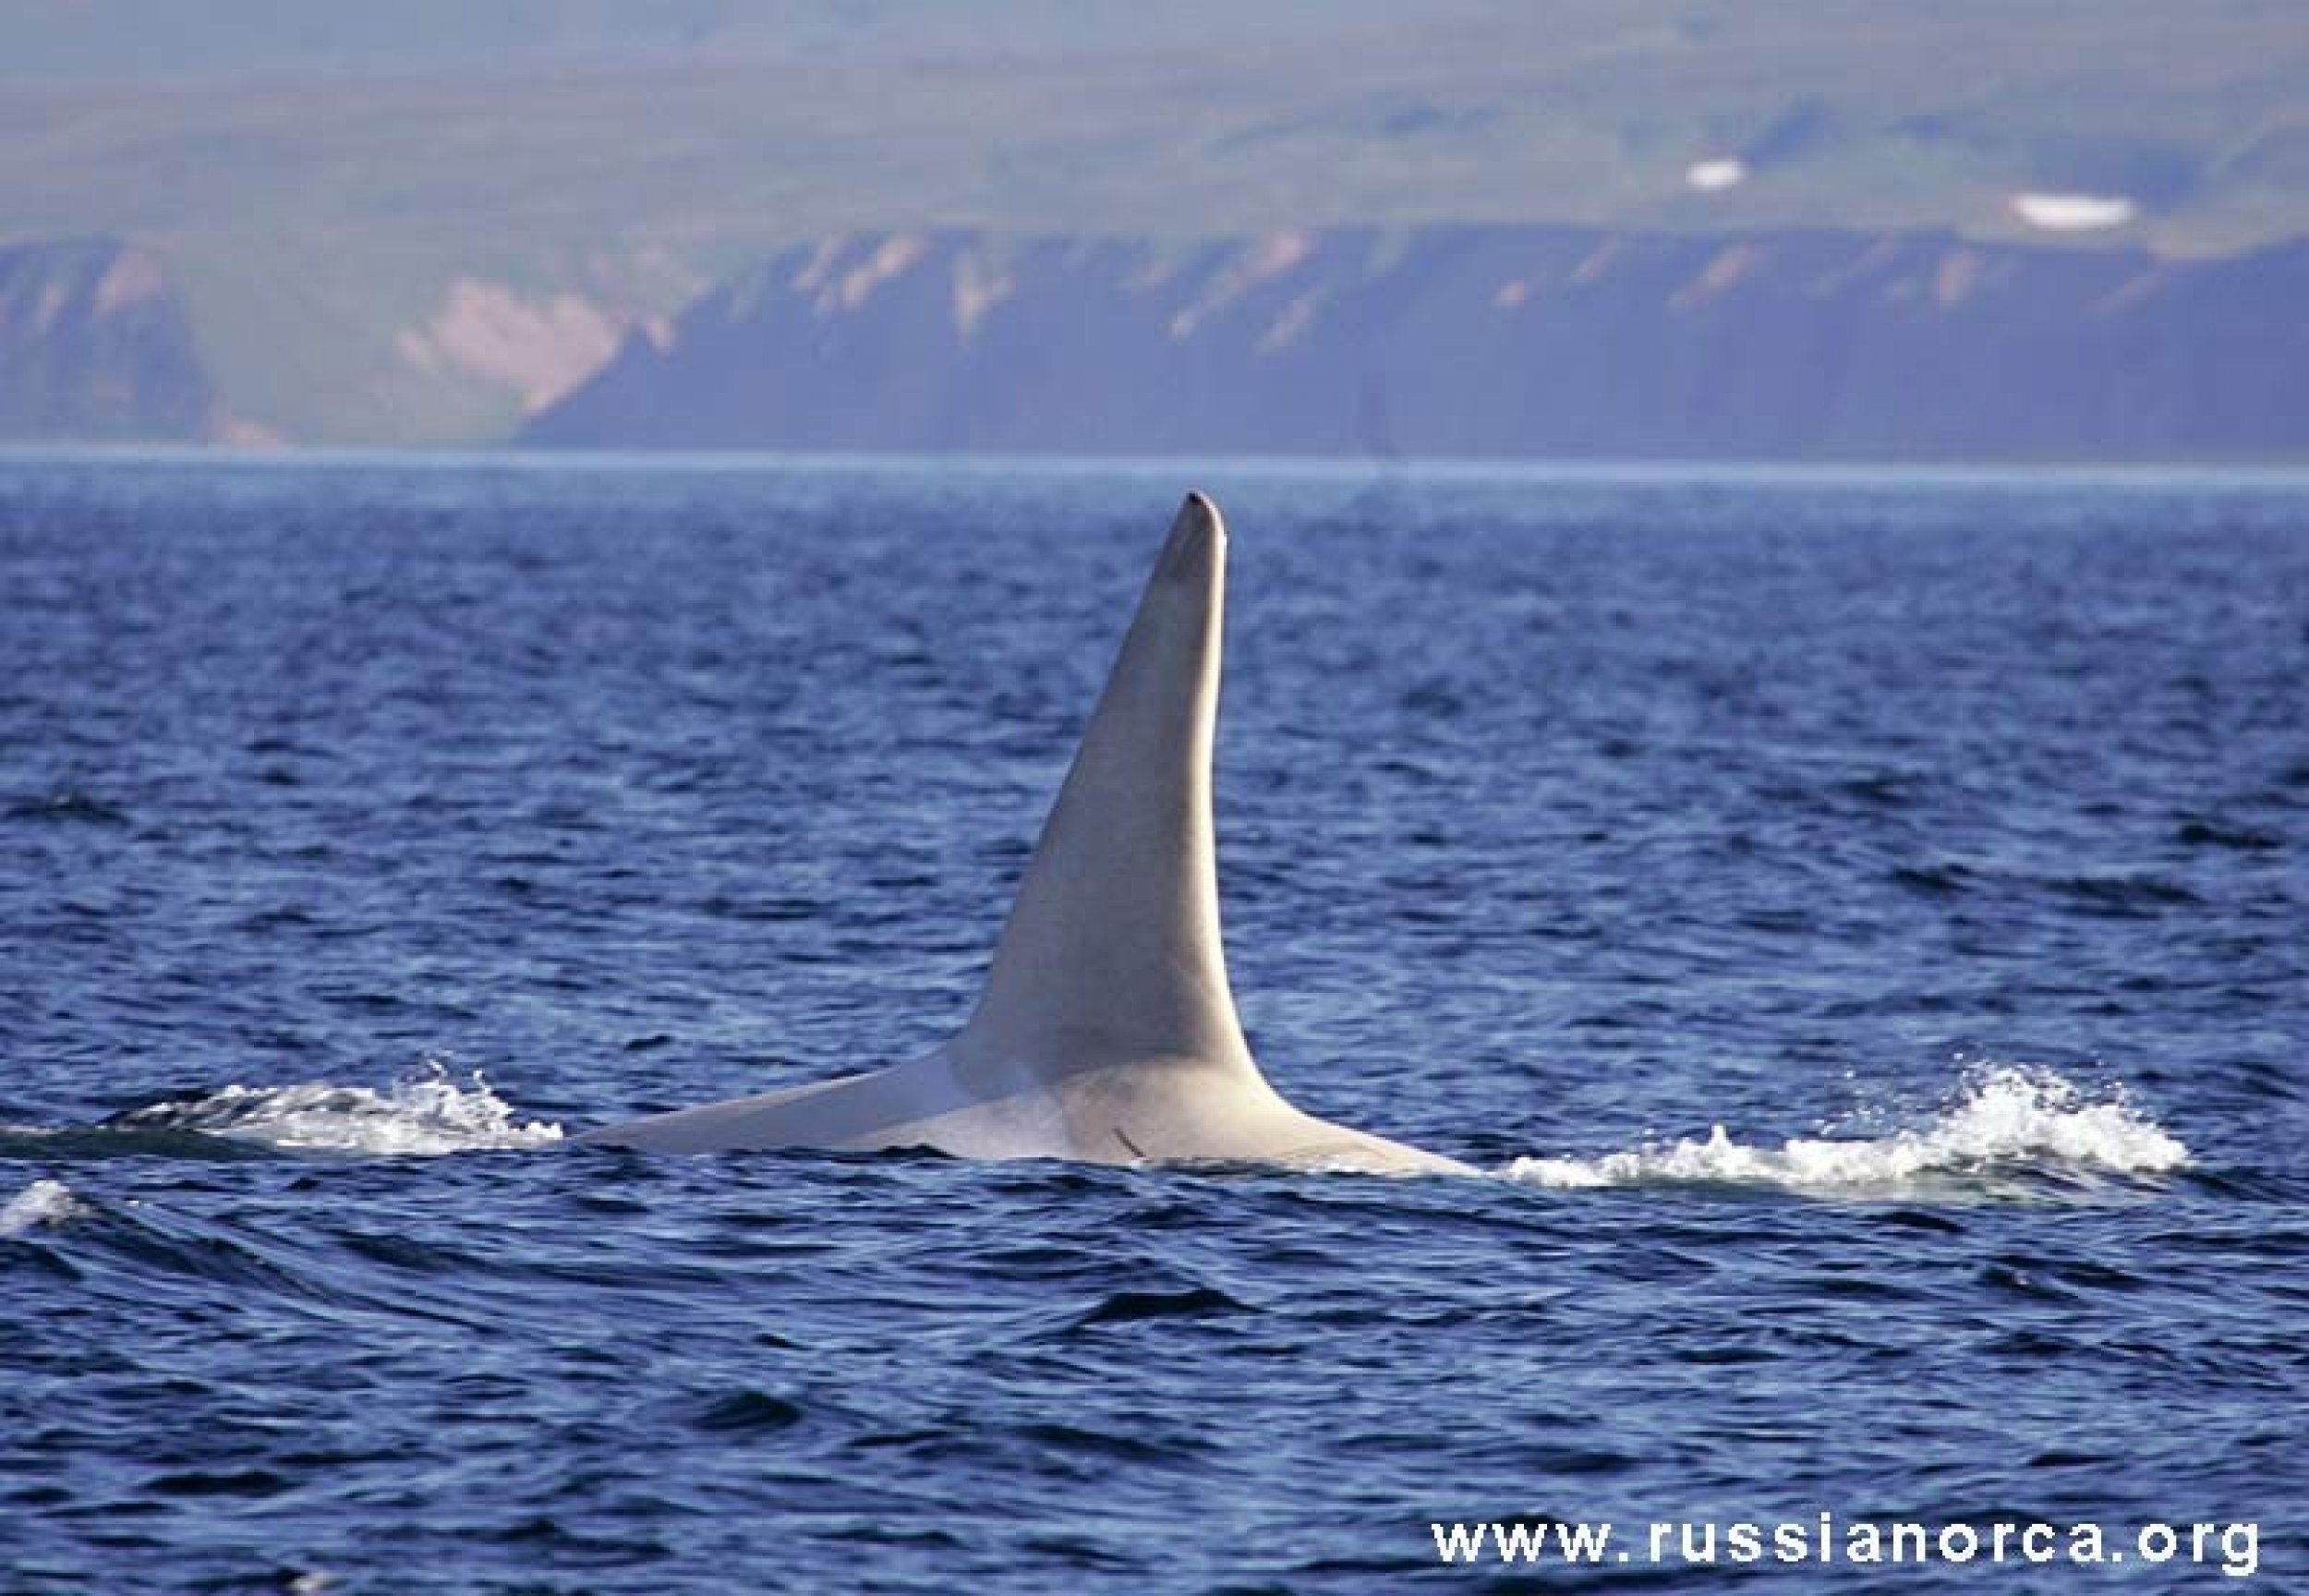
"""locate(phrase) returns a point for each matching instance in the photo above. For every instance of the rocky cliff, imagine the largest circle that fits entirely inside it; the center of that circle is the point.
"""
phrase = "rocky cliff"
(95, 347)
(1508, 341)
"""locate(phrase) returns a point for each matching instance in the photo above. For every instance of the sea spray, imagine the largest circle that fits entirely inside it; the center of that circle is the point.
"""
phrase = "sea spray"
(424, 1114)
(42, 1202)
(2006, 1119)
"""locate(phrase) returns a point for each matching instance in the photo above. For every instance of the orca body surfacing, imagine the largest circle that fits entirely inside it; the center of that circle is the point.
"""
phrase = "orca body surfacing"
(1107, 1031)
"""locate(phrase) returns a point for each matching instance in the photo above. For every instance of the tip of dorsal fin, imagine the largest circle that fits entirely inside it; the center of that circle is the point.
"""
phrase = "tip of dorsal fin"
(1112, 950)
(1195, 551)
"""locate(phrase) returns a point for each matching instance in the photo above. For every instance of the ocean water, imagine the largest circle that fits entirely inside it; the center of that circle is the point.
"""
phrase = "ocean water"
(1859, 924)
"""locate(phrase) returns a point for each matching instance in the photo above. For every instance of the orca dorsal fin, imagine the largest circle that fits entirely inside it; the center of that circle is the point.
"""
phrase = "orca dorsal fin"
(1112, 953)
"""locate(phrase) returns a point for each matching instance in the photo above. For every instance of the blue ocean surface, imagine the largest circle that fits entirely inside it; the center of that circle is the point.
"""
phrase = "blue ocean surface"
(1857, 923)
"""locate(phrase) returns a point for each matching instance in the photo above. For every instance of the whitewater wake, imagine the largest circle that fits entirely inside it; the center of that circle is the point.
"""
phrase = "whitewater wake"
(425, 1114)
(2003, 1120)
(2003, 1123)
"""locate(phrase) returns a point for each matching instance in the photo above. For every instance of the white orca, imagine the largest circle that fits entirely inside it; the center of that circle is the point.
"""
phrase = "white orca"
(1107, 1031)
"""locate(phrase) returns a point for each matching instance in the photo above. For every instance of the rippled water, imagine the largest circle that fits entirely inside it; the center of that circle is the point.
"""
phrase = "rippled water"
(1858, 921)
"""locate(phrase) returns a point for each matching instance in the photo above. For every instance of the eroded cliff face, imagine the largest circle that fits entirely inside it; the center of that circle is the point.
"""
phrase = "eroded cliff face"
(1508, 341)
(95, 347)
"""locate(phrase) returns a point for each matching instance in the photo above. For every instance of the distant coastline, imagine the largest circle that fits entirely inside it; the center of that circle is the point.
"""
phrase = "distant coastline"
(1477, 342)
(1469, 342)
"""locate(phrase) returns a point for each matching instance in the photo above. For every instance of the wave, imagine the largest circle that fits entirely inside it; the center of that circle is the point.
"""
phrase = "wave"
(42, 1202)
(2003, 1120)
(424, 1114)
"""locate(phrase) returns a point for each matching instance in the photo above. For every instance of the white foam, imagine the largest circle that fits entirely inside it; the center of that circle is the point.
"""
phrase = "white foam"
(2004, 1118)
(424, 1114)
(42, 1202)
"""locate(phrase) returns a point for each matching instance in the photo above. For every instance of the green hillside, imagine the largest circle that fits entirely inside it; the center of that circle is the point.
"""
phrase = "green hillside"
(407, 225)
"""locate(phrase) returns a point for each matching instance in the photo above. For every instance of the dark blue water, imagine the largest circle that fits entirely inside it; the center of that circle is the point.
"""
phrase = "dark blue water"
(1859, 920)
